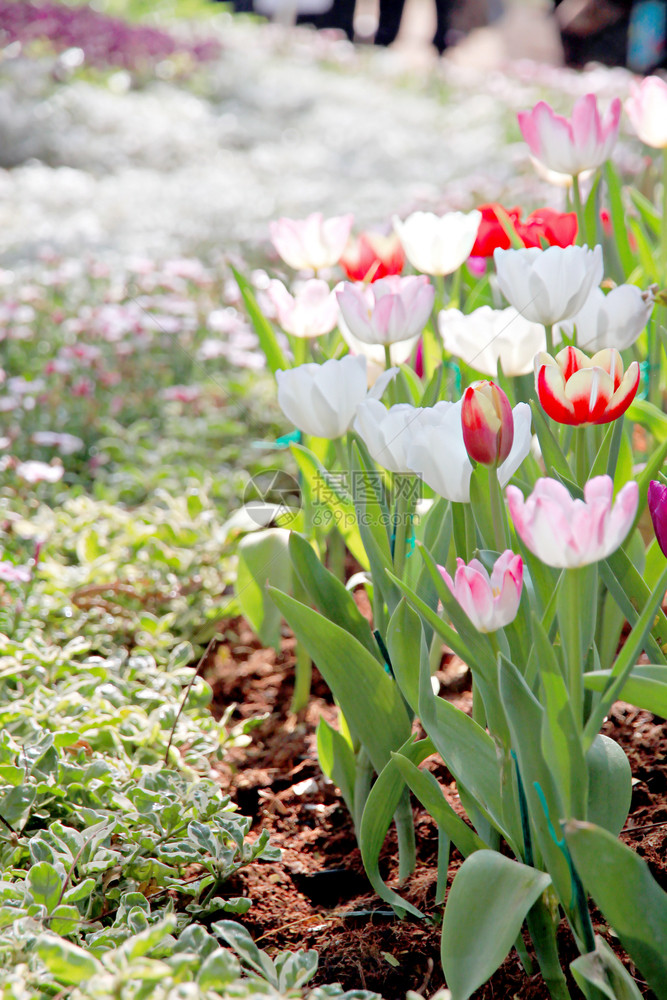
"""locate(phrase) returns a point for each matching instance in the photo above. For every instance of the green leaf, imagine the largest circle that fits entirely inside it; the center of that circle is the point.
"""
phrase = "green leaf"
(431, 796)
(329, 594)
(561, 742)
(555, 462)
(646, 687)
(407, 649)
(329, 495)
(238, 938)
(381, 805)
(44, 884)
(66, 962)
(263, 558)
(630, 899)
(218, 970)
(268, 341)
(368, 697)
(650, 417)
(604, 971)
(16, 804)
(617, 213)
(373, 527)
(10, 774)
(65, 919)
(647, 210)
(80, 891)
(487, 904)
(610, 784)
(337, 761)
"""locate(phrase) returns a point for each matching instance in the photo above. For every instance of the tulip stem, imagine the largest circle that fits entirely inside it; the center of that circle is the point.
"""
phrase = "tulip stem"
(570, 605)
(498, 515)
(455, 296)
(405, 829)
(300, 350)
(549, 332)
(578, 207)
(543, 935)
(580, 455)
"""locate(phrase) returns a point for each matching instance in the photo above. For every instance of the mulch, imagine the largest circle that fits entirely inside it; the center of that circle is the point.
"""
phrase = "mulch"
(318, 895)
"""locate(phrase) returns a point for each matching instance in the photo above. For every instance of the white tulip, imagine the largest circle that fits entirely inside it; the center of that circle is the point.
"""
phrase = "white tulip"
(322, 400)
(438, 455)
(388, 433)
(547, 286)
(488, 337)
(613, 320)
(438, 244)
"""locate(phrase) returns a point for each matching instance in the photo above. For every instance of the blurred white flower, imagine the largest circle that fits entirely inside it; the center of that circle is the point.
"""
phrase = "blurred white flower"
(486, 337)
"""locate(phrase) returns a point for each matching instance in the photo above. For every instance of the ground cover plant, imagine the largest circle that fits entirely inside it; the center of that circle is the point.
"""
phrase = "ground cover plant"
(151, 491)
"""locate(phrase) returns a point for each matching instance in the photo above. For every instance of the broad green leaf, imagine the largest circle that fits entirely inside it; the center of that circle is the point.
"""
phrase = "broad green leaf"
(617, 212)
(407, 649)
(66, 962)
(16, 804)
(373, 527)
(467, 750)
(604, 971)
(80, 891)
(328, 493)
(368, 697)
(607, 456)
(487, 904)
(436, 537)
(268, 341)
(10, 774)
(646, 687)
(429, 793)
(238, 938)
(329, 594)
(647, 210)
(44, 884)
(630, 591)
(336, 759)
(381, 805)
(525, 716)
(647, 414)
(65, 919)
(561, 742)
(630, 899)
(218, 970)
(263, 558)
(610, 784)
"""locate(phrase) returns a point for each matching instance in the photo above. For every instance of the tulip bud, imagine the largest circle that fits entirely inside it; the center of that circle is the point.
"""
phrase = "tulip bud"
(657, 505)
(488, 424)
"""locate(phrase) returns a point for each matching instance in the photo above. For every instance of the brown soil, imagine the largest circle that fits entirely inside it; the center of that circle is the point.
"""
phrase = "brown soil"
(318, 896)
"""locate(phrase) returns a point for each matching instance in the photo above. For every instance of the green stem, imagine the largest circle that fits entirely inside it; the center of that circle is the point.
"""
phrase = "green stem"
(543, 936)
(455, 297)
(405, 829)
(663, 232)
(300, 350)
(498, 515)
(549, 331)
(581, 466)
(571, 637)
(579, 208)
(303, 672)
(387, 356)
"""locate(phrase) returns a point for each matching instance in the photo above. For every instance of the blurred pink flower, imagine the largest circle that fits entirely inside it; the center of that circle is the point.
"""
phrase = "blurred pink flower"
(310, 311)
(570, 146)
(646, 108)
(564, 532)
(311, 243)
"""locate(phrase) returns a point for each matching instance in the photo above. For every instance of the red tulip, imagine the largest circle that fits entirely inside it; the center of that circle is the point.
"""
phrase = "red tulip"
(542, 226)
(488, 423)
(576, 389)
(372, 256)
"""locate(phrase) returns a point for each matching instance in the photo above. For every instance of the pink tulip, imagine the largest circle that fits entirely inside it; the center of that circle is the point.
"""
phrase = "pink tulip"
(576, 389)
(387, 310)
(488, 424)
(570, 146)
(646, 108)
(564, 532)
(310, 312)
(490, 602)
(311, 243)
(657, 505)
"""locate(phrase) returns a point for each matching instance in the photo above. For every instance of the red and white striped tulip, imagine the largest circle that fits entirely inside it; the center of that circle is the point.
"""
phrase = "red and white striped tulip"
(576, 389)
(488, 423)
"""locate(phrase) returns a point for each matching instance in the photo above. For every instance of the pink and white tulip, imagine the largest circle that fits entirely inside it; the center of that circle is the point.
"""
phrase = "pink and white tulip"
(575, 389)
(646, 108)
(386, 311)
(570, 146)
(567, 532)
(490, 602)
(311, 243)
(310, 311)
